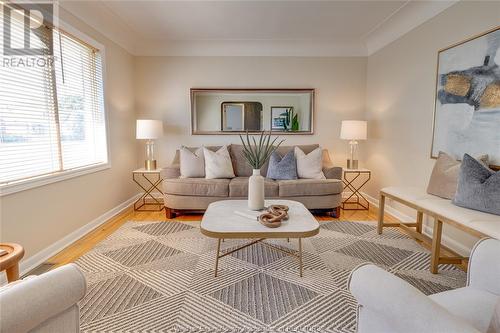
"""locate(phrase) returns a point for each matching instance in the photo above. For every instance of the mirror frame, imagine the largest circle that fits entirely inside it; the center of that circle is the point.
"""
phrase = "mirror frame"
(193, 92)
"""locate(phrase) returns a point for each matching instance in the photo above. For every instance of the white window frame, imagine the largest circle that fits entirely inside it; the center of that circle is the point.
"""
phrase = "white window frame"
(37, 181)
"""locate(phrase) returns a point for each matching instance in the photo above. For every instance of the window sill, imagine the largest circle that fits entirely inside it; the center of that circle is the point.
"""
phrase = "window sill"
(30, 183)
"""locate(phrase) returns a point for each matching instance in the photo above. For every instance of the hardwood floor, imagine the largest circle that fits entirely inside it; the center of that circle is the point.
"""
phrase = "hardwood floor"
(86, 243)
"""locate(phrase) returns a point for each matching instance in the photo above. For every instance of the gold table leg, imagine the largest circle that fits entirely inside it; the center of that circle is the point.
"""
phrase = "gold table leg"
(217, 257)
(300, 257)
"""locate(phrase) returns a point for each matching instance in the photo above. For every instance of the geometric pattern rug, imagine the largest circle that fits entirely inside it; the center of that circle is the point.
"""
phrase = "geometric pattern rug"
(159, 277)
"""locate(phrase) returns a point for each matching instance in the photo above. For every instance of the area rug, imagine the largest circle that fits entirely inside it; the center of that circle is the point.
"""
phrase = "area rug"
(159, 277)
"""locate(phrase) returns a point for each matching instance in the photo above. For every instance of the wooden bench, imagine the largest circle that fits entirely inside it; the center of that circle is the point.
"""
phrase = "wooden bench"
(476, 223)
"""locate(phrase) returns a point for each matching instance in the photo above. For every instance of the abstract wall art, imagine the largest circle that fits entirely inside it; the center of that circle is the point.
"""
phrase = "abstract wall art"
(467, 105)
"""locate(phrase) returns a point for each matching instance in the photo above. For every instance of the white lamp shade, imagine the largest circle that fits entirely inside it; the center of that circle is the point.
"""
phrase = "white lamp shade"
(353, 130)
(149, 129)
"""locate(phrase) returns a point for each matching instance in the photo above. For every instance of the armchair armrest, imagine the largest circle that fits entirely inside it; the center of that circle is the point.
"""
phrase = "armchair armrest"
(399, 306)
(29, 303)
(484, 266)
(171, 171)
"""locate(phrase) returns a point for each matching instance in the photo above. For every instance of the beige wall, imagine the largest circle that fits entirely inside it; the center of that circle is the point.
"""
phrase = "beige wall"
(39, 217)
(400, 97)
(163, 83)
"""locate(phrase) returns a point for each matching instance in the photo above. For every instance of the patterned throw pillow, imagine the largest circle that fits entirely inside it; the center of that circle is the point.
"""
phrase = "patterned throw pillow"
(282, 168)
(478, 187)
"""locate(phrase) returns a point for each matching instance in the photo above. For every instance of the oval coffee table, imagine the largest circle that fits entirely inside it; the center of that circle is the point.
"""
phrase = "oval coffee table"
(10, 261)
(224, 219)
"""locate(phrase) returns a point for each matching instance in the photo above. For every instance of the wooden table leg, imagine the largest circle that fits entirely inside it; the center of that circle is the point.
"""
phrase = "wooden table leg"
(300, 256)
(420, 219)
(436, 245)
(217, 257)
(381, 207)
(12, 273)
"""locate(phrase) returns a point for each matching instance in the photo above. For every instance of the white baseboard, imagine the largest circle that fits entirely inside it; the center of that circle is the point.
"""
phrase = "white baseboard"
(426, 230)
(42, 256)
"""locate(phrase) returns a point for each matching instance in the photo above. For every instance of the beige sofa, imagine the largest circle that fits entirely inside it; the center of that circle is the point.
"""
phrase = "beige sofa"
(195, 194)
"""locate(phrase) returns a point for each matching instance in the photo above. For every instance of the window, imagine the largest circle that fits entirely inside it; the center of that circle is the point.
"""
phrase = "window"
(51, 116)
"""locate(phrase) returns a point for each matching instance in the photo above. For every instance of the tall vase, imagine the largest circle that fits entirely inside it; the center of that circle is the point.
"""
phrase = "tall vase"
(256, 191)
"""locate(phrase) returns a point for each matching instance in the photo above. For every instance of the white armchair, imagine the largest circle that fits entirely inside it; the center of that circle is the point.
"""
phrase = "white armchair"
(44, 303)
(389, 304)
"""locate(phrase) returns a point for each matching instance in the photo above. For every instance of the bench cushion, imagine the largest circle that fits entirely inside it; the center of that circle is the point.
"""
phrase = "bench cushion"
(309, 187)
(485, 223)
(197, 187)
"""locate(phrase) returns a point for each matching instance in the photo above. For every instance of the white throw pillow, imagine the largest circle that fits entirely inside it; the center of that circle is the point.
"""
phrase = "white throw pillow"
(218, 163)
(192, 163)
(310, 165)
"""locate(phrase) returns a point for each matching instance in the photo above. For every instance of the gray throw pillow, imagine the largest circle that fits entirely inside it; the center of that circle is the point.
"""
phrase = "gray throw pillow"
(478, 187)
(282, 168)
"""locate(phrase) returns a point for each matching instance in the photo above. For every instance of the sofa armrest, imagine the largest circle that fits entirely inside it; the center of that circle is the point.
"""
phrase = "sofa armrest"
(333, 172)
(31, 302)
(398, 305)
(171, 171)
(484, 266)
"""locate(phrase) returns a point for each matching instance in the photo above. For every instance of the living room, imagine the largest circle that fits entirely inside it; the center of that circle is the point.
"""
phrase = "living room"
(133, 197)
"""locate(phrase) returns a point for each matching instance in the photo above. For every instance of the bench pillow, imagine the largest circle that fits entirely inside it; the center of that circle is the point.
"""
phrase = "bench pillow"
(444, 177)
(478, 187)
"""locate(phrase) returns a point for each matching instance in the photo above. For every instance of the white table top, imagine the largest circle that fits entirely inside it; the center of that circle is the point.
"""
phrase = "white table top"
(143, 170)
(221, 221)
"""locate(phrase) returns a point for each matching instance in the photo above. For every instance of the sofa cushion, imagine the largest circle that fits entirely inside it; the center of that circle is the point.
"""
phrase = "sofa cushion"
(197, 187)
(478, 187)
(240, 165)
(309, 187)
(282, 167)
(238, 188)
(473, 305)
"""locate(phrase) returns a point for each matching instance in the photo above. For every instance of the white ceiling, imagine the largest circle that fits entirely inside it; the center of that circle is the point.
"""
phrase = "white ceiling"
(323, 28)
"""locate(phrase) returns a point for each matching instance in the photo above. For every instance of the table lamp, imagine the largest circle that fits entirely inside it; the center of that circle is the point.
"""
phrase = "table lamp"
(149, 130)
(353, 130)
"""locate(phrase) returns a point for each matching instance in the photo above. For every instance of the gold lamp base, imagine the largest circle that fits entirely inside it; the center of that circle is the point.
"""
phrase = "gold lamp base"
(352, 164)
(150, 165)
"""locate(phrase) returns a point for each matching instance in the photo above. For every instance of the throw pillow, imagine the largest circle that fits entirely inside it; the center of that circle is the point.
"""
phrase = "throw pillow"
(282, 168)
(309, 166)
(192, 163)
(218, 163)
(444, 177)
(478, 187)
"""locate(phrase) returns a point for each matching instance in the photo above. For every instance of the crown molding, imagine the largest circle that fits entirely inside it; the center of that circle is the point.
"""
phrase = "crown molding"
(408, 17)
(291, 48)
(104, 20)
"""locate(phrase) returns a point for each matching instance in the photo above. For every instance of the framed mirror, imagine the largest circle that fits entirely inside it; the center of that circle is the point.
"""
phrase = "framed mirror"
(234, 111)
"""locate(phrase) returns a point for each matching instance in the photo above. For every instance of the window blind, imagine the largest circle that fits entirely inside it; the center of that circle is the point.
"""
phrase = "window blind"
(52, 116)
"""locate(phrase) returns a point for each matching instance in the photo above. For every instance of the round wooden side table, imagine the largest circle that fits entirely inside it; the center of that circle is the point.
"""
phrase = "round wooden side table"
(10, 261)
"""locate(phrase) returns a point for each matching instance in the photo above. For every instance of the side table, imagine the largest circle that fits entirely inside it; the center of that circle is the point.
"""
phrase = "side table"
(354, 180)
(10, 262)
(153, 179)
